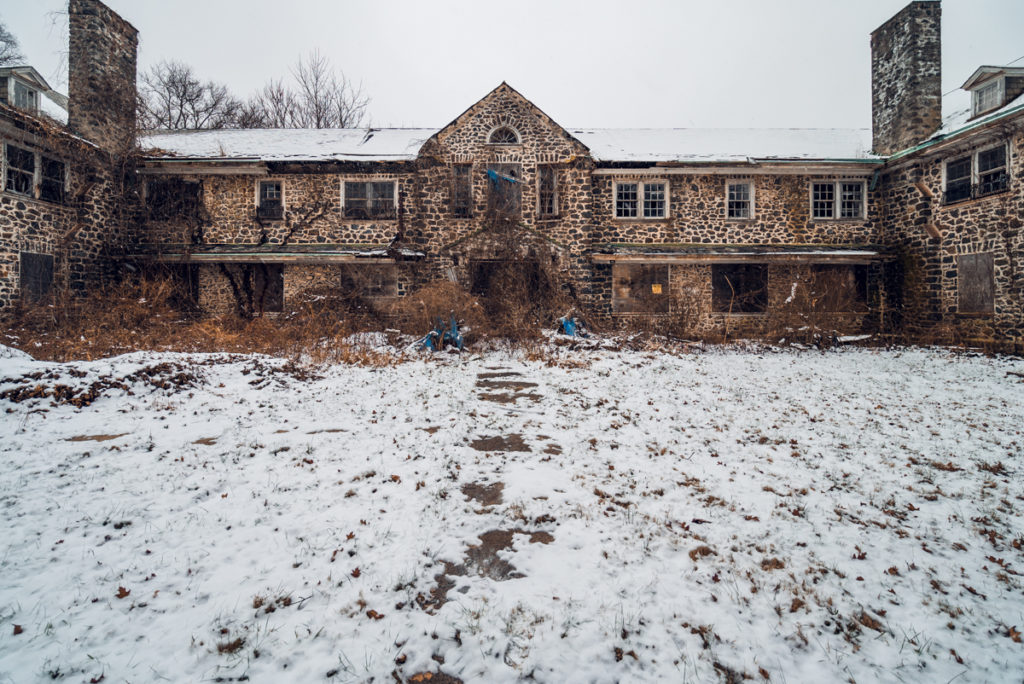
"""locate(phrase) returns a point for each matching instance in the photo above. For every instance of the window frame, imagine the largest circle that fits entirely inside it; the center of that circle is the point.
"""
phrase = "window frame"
(458, 210)
(555, 210)
(988, 307)
(504, 127)
(641, 199)
(32, 174)
(31, 91)
(837, 199)
(996, 85)
(60, 183)
(36, 176)
(729, 184)
(975, 175)
(367, 199)
(760, 304)
(265, 214)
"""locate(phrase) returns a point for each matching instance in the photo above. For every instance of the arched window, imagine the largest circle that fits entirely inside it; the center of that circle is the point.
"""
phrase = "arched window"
(503, 135)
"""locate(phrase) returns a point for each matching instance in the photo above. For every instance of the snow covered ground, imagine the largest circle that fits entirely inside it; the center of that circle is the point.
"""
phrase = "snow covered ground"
(619, 516)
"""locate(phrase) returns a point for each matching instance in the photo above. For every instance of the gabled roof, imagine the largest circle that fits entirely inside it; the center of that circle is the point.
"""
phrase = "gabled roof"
(287, 144)
(505, 89)
(30, 75)
(984, 73)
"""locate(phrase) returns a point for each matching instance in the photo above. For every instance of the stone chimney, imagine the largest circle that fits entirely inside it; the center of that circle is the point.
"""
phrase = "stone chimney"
(906, 77)
(101, 76)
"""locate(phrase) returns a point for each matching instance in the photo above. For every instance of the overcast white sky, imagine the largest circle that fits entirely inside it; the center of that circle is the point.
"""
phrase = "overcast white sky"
(587, 63)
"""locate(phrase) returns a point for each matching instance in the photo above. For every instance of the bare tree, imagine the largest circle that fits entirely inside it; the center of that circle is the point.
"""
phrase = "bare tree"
(172, 97)
(320, 98)
(10, 50)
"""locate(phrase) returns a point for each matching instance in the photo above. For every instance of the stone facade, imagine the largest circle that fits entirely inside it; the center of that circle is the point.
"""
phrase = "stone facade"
(906, 77)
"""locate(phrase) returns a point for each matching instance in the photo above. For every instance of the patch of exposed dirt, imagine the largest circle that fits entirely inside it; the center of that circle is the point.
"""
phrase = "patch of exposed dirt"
(317, 432)
(513, 442)
(553, 449)
(430, 430)
(94, 438)
(433, 678)
(485, 495)
(206, 441)
(503, 374)
(515, 385)
(171, 377)
(501, 398)
(481, 560)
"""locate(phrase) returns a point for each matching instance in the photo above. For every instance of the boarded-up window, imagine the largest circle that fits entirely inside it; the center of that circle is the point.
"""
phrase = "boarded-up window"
(639, 288)
(504, 199)
(172, 198)
(369, 280)
(976, 283)
(36, 276)
(739, 288)
(838, 288)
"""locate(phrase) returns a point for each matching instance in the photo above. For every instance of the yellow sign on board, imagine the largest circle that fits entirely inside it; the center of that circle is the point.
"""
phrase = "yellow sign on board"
(656, 288)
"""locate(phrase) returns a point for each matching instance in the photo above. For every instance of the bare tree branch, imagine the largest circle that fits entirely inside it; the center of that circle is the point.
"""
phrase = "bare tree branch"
(10, 50)
(172, 97)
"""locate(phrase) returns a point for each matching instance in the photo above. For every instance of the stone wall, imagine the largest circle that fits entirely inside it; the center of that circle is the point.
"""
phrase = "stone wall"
(932, 234)
(906, 77)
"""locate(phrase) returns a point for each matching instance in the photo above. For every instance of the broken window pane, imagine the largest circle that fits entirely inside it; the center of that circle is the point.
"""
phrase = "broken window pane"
(172, 198)
(21, 169)
(739, 200)
(51, 186)
(626, 200)
(372, 200)
(838, 288)
(739, 288)
(547, 202)
(640, 288)
(975, 283)
(992, 171)
(958, 179)
(271, 200)
(851, 204)
(504, 199)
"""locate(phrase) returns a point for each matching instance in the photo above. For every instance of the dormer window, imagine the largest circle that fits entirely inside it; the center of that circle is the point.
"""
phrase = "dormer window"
(988, 97)
(503, 135)
(24, 96)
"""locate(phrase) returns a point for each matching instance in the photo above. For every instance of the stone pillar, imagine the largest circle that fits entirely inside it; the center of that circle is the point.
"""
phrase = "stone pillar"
(906, 77)
(101, 78)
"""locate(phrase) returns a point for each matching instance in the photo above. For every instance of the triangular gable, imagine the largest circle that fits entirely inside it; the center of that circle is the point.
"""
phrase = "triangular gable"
(984, 73)
(503, 90)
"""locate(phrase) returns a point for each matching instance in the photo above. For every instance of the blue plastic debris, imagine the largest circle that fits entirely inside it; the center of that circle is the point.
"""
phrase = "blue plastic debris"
(441, 336)
(495, 177)
(572, 326)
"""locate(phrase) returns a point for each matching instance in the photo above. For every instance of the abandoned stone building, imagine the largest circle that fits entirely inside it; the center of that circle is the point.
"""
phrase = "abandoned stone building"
(912, 226)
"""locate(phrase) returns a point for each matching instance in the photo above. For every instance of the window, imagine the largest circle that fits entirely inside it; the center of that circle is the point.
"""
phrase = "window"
(25, 97)
(36, 276)
(503, 135)
(740, 201)
(850, 196)
(838, 288)
(21, 170)
(975, 283)
(172, 198)
(462, 190)
(975, 175)
(739, 288)
(547, 191)
(369, 280)
(271, 200)
(639, 288)
(652, 197)
(370, 200)
(987, 97)
(504, 199)
(51, 182)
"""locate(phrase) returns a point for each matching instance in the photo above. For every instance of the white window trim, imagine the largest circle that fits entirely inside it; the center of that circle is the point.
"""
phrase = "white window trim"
(558, 208)
(838, 199)
(975, 173)
(519, 137)
(37, 171)
(640, 182)
(11, 98)
(999, 84)
(272, 179)
(753, 211)
(363, 179)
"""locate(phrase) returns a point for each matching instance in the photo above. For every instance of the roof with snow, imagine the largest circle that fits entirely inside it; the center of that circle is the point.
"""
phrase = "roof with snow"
(288, 144)
(606, 144)
(725, 144)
